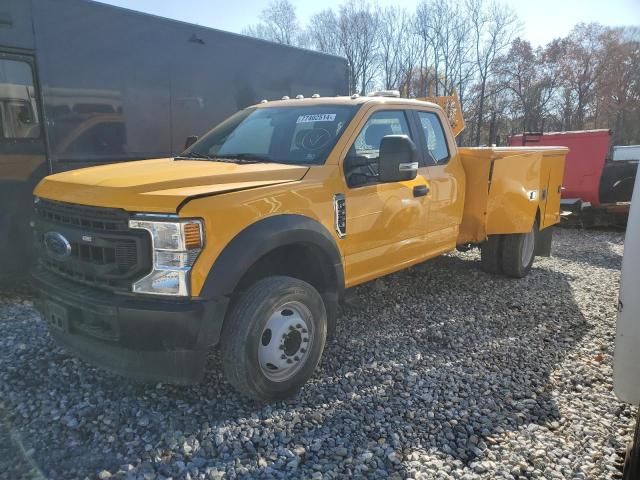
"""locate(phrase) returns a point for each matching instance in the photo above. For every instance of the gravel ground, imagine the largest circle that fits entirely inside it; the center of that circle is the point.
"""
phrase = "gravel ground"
(442, 372)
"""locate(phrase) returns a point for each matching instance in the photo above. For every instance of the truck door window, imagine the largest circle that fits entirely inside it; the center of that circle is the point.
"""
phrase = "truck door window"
(18, 107)
(436, 150)
(361, 163)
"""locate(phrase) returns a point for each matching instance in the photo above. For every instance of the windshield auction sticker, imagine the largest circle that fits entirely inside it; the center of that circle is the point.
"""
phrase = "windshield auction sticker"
(318, 117)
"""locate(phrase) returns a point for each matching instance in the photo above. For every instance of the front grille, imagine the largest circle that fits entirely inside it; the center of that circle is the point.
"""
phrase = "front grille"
(94, 218)
(105, 252)
(126, 255)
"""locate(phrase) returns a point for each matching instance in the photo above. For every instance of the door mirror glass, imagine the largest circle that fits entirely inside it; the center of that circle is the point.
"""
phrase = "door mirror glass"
(190, 141)
(398, 160)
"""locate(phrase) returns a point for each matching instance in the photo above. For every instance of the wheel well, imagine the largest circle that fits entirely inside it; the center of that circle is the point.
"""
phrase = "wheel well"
(303, 261)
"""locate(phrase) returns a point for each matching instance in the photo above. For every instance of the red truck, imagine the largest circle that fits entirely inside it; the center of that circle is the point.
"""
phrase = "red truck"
(597, 186)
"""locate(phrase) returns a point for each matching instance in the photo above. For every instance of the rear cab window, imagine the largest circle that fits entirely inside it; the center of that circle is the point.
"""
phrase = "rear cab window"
(434, 141)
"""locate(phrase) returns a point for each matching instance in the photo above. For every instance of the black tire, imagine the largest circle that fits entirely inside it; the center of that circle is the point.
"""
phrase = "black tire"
(491, 254)
(632, 461)
(244, 330)
(518, 254)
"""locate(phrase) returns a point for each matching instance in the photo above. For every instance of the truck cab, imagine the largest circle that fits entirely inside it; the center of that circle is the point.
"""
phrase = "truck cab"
(250, 238)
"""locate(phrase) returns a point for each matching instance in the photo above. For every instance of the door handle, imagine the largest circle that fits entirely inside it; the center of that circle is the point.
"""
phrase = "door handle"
(420, 190)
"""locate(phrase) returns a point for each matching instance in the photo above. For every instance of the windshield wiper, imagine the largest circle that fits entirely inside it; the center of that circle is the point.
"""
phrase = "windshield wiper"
(244, 157)
(230, 157)
(194, 156)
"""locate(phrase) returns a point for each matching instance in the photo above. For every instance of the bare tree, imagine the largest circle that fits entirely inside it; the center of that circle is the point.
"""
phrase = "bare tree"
(618, 86)
(580, 61)
(428, 68)
(590, 79)
(359, 41)
(352, 33)
(493, 26)
(462, 64)
(531, 77)
(278, 24)
(397, 49)
(323, 33)
(443, 30)
(410, 61)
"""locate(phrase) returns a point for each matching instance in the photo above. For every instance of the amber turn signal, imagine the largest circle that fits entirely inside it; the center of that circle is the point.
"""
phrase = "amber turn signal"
(192, 236)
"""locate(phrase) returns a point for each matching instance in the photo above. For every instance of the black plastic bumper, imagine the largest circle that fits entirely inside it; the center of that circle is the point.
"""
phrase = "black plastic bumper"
(144, 338)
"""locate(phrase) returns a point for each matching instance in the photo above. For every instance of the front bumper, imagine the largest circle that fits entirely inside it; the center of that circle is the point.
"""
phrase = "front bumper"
(150, 339)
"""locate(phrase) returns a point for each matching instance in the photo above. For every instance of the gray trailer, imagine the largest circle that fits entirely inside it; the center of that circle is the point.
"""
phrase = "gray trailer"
(82, 83)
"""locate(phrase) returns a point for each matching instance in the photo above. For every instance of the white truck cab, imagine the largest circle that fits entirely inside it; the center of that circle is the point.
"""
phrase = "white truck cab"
(627, 355)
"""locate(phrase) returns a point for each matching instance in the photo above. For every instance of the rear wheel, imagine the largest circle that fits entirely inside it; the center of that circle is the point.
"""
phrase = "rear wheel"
(518, 253)
(273, 338)
(490, 254)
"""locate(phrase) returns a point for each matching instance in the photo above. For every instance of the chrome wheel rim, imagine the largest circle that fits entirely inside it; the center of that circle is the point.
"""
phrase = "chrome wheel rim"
(527, 248)
(285, 342)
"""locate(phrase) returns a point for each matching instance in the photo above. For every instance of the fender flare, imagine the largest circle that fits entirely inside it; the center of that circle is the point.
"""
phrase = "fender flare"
(262, 237)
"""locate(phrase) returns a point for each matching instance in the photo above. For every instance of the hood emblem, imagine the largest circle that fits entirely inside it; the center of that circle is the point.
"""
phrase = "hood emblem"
(57, 246)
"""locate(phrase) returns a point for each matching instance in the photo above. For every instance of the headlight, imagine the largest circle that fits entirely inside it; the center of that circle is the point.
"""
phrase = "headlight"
(176, 245)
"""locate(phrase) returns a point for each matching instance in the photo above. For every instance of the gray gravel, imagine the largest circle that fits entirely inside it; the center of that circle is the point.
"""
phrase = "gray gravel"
(442, 372)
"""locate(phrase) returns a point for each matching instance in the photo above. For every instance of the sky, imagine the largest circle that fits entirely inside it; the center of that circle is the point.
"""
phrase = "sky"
(542, 20)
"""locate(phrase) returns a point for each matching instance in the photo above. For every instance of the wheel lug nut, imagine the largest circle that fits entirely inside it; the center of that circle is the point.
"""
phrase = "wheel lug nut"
(289, 360)
(283, 357)
(298, 326)
(302, 350)
(296, 358)
(290, 327)
(281, 347)
(305, 340)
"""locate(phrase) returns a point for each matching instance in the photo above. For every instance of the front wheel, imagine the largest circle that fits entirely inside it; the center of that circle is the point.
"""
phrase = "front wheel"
(273, 338)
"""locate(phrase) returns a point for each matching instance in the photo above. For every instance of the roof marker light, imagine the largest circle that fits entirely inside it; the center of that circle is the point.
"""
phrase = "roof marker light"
(315, 95)
(385, 93)
(286, 97)
(299, 97)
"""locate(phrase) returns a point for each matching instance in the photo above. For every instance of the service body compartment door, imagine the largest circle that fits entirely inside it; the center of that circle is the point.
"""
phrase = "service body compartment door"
(514, 193)
(553, 166)
(505, 187)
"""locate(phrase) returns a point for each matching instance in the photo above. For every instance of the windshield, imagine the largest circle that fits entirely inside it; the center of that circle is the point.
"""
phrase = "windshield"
(295, 135)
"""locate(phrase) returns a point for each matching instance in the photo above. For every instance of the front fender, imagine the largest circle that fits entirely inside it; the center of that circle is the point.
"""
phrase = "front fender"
(262, 237)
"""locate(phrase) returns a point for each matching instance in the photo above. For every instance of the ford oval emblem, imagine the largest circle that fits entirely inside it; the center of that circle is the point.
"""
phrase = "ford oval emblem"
(57, 245)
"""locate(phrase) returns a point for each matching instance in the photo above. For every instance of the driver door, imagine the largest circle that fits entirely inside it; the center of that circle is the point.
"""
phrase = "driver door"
(385, 221)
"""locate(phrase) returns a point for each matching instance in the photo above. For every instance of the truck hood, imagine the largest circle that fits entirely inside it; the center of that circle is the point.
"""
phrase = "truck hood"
(160, 185)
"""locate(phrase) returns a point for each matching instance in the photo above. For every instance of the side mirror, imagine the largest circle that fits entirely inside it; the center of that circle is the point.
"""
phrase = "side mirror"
(190, 141)
(398, 159)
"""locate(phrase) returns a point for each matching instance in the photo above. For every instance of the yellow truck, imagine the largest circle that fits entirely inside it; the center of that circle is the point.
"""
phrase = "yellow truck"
(250, 238)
